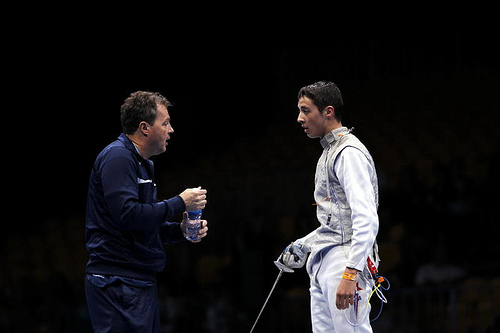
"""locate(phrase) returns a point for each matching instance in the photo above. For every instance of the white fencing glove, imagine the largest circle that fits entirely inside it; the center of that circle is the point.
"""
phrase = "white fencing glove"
(293, 256)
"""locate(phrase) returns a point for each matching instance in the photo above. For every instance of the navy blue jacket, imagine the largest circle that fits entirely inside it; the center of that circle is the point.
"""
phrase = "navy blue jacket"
(126, 226)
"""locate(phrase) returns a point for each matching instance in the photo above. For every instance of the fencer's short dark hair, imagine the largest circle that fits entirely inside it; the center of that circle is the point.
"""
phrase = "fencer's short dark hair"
(323, 94)
(140, 106)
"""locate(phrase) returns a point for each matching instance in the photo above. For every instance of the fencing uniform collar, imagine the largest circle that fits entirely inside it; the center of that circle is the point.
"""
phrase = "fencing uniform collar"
(333, 136)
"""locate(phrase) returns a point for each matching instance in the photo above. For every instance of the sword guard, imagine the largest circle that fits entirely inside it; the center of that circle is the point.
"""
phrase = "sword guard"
(282, 267)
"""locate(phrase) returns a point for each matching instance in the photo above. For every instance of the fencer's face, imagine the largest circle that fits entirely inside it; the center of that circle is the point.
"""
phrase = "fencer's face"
(310, 118)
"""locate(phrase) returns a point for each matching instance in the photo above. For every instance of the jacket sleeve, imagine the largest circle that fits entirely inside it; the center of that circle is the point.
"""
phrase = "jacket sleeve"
(308, 239)
(171, 232)
(121, 194)
(354, 173)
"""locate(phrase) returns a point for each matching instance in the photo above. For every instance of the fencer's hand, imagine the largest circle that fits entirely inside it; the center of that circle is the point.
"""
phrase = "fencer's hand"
(294, 255)
(346, 291)
(194, 198)
(201, 233)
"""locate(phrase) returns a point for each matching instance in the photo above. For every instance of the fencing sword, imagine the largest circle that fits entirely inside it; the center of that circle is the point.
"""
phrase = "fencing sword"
(282, 269)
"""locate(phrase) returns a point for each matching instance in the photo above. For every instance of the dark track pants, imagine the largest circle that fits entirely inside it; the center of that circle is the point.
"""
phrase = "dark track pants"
(122, 305)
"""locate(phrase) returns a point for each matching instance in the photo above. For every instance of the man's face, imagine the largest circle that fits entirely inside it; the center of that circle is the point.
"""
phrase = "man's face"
(310, 118)
(160, 131)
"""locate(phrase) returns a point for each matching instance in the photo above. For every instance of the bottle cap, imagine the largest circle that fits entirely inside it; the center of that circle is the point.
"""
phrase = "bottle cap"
(194, 212)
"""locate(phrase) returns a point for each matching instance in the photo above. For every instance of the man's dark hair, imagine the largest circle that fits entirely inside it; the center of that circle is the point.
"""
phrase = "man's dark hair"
(323, 94)
(140, 106)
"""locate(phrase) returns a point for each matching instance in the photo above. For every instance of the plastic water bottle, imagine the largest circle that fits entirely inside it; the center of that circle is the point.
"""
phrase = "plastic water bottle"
(193, 225)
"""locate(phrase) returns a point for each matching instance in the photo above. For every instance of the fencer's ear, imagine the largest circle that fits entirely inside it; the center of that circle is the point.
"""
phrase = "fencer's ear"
(144, 128)
(329, 111)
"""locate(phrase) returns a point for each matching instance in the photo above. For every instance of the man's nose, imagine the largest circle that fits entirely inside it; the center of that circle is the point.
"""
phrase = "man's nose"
(300, 120)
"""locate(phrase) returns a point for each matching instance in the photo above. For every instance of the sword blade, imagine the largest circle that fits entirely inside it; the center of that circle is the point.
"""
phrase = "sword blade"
(267, 299)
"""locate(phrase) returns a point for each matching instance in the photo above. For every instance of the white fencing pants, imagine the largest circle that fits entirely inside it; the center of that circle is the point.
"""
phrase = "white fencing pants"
(325, 274)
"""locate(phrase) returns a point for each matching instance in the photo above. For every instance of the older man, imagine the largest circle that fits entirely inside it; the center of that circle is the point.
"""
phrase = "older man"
(127, 226)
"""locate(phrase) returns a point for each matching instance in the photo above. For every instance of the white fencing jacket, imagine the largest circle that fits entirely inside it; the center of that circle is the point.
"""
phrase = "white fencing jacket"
(346, 194)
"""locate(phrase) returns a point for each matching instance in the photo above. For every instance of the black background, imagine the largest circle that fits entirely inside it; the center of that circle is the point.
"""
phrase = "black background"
(422, 94)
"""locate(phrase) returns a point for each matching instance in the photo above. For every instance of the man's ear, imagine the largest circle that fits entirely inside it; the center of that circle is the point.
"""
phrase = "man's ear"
(144, 128)
(329, 111)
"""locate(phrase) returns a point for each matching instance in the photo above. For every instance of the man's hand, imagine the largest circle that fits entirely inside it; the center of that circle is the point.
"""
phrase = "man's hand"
(194, 198)
(294, 255)
(346, 291)
(201, 233)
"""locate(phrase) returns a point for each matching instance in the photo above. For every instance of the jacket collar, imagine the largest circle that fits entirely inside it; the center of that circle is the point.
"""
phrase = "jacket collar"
(129, 145)
(333, 136)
